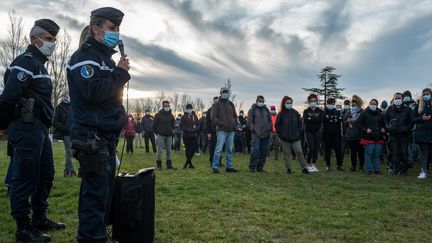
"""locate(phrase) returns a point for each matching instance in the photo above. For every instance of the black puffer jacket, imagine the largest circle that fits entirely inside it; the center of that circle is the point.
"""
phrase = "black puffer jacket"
(423, 129)
(163, 123)
(313, 119)
(398, 120)
(289, 125)
(374, 121)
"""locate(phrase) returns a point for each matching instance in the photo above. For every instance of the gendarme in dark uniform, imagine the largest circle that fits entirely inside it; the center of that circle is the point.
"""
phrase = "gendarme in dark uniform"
(26, 106)
(96, 89)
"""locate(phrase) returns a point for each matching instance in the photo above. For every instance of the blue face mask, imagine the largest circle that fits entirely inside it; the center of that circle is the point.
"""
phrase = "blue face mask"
(373, 107)
(313, 104)
(167, 109)
(426, 98)
(288, 106)
(354, 108)
(189, 111)
(330, 107)
(111, 39)
(407, 99)
(260, 104)
(225, 96)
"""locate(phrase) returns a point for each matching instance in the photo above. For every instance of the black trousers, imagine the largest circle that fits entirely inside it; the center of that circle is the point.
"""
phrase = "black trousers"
(190, 144)
(97, 170)
(357, 153)
(204, 142)
(149, 136)
(33, 169)
(425, 155)
(399, 147)
(333, 141)
(212, 147)
(129, 143)
(313, 140)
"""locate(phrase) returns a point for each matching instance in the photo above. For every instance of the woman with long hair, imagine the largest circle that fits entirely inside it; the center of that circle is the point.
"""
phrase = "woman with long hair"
(313, 118)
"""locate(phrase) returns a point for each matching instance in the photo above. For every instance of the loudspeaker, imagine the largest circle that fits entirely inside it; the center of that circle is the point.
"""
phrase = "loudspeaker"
(133, 207)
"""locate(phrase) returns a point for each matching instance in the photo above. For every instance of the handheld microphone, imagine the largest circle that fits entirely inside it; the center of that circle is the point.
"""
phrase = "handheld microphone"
(121, 47)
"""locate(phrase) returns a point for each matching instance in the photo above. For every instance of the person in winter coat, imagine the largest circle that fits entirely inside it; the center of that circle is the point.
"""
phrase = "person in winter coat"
(177, 133)
(332, 134)
(239, 137)
(260, 123)
(313, 118)
(62, 123)
(371, 124)
(274, 139)
(138, 133)
(189, 126)
(397, 119)
(203, 132)
(211, 132)
(344, 111)
(422, 117)
(163, 125)
(223, 117)
(353, 133)
(288, 126)
(129, 132)
(413, 149)
(147, 126)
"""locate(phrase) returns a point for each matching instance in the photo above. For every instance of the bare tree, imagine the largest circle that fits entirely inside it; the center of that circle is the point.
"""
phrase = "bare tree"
(13, 45)
(175, 100)
(148, 104)
(57, 66)
(185, 99)
(157, 105)
(136, 108)
(199, 105)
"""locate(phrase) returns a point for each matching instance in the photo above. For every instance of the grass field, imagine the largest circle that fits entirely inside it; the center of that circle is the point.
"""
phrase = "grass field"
(198, 206)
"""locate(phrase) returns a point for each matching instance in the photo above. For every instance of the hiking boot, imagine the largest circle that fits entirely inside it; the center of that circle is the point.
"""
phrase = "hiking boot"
(185, 166)
(191, 166)
(159, 164)
(47, 224)
(27, 233)
(169, 165)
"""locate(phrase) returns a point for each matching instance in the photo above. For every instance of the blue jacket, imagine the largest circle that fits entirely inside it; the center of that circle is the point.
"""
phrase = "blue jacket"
(27, 77)
(423, 129)
(96, 87)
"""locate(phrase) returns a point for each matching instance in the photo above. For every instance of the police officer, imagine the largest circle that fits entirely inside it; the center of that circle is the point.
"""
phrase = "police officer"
(95, 87)
(27, 93)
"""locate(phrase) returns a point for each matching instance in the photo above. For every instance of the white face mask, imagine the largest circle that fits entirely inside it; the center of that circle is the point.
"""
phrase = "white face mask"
(47, 48)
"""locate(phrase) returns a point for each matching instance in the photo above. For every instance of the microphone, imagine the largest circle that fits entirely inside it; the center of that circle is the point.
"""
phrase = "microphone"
(121, 47)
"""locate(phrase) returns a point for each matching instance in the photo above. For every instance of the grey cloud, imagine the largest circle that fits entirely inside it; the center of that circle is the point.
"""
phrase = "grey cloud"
(71, 22)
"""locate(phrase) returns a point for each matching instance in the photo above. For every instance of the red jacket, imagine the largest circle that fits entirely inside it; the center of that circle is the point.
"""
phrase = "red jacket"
(273, 123)
(129, 128)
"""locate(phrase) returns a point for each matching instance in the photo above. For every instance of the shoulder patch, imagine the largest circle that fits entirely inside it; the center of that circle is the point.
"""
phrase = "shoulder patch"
(87, 71)
(22, 76)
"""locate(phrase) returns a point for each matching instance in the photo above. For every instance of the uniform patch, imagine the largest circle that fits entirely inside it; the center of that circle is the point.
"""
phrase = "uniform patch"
(22, 76)
(87, 71)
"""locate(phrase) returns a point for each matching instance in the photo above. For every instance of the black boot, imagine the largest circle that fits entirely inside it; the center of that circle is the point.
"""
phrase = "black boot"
(41, 222)
(169, 165)
(159, 164)
(26, 233)
(185, 165)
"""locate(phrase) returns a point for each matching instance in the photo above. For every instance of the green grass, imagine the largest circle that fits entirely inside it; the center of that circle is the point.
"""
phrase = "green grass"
(198, 206)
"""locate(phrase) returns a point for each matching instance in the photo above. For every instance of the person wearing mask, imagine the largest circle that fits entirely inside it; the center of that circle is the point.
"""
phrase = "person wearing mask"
(202, 132)
(413, 149)
(96, 86)
(138, 133)
(163, 125)
(353, 133)
(344, 111)
(274, 138)
(260, 123)
(332, 134)
(223, 117)
(239, 138)
(129, 133)
(397, 120)
(371, 124)
(288, 126)
(177, 133)
(211, 132)
(189, 126)
(147, 125)
(62, 124)
(421, 117)
(313, 118)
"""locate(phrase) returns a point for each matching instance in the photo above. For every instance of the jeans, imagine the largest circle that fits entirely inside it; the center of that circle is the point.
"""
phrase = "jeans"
(372, 156)
(260, 148)
(164, 142)
(177, 141)
(138, 140)
(226, 138)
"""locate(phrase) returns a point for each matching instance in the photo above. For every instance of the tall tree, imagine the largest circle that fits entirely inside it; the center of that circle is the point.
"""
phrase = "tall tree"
(175, 100)
(14, 44)
(328, 83)
(184, 100)
(199, 105)
(57, 66)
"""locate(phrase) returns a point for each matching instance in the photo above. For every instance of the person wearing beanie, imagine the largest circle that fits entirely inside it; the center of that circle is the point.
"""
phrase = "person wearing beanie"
(397, 119)
(27, 112)
(384, 105)
(189, 125)
(332, 134)
(372, 127)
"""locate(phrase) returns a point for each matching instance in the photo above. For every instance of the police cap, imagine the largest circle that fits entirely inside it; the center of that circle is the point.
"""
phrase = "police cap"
(112, 14)
(48, 25)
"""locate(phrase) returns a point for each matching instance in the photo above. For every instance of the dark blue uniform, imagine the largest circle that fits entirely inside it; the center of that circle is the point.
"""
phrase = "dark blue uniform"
(33, 167)
(96, 90)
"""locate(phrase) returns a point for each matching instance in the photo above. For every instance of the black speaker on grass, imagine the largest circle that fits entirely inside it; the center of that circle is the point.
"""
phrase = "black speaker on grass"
(133, 207)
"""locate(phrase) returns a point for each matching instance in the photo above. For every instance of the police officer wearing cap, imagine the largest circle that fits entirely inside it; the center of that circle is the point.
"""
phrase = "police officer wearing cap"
(96, 87)
(26, 104)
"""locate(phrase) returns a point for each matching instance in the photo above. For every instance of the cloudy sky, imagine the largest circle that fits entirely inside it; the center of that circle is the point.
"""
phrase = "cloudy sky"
(270, 47)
